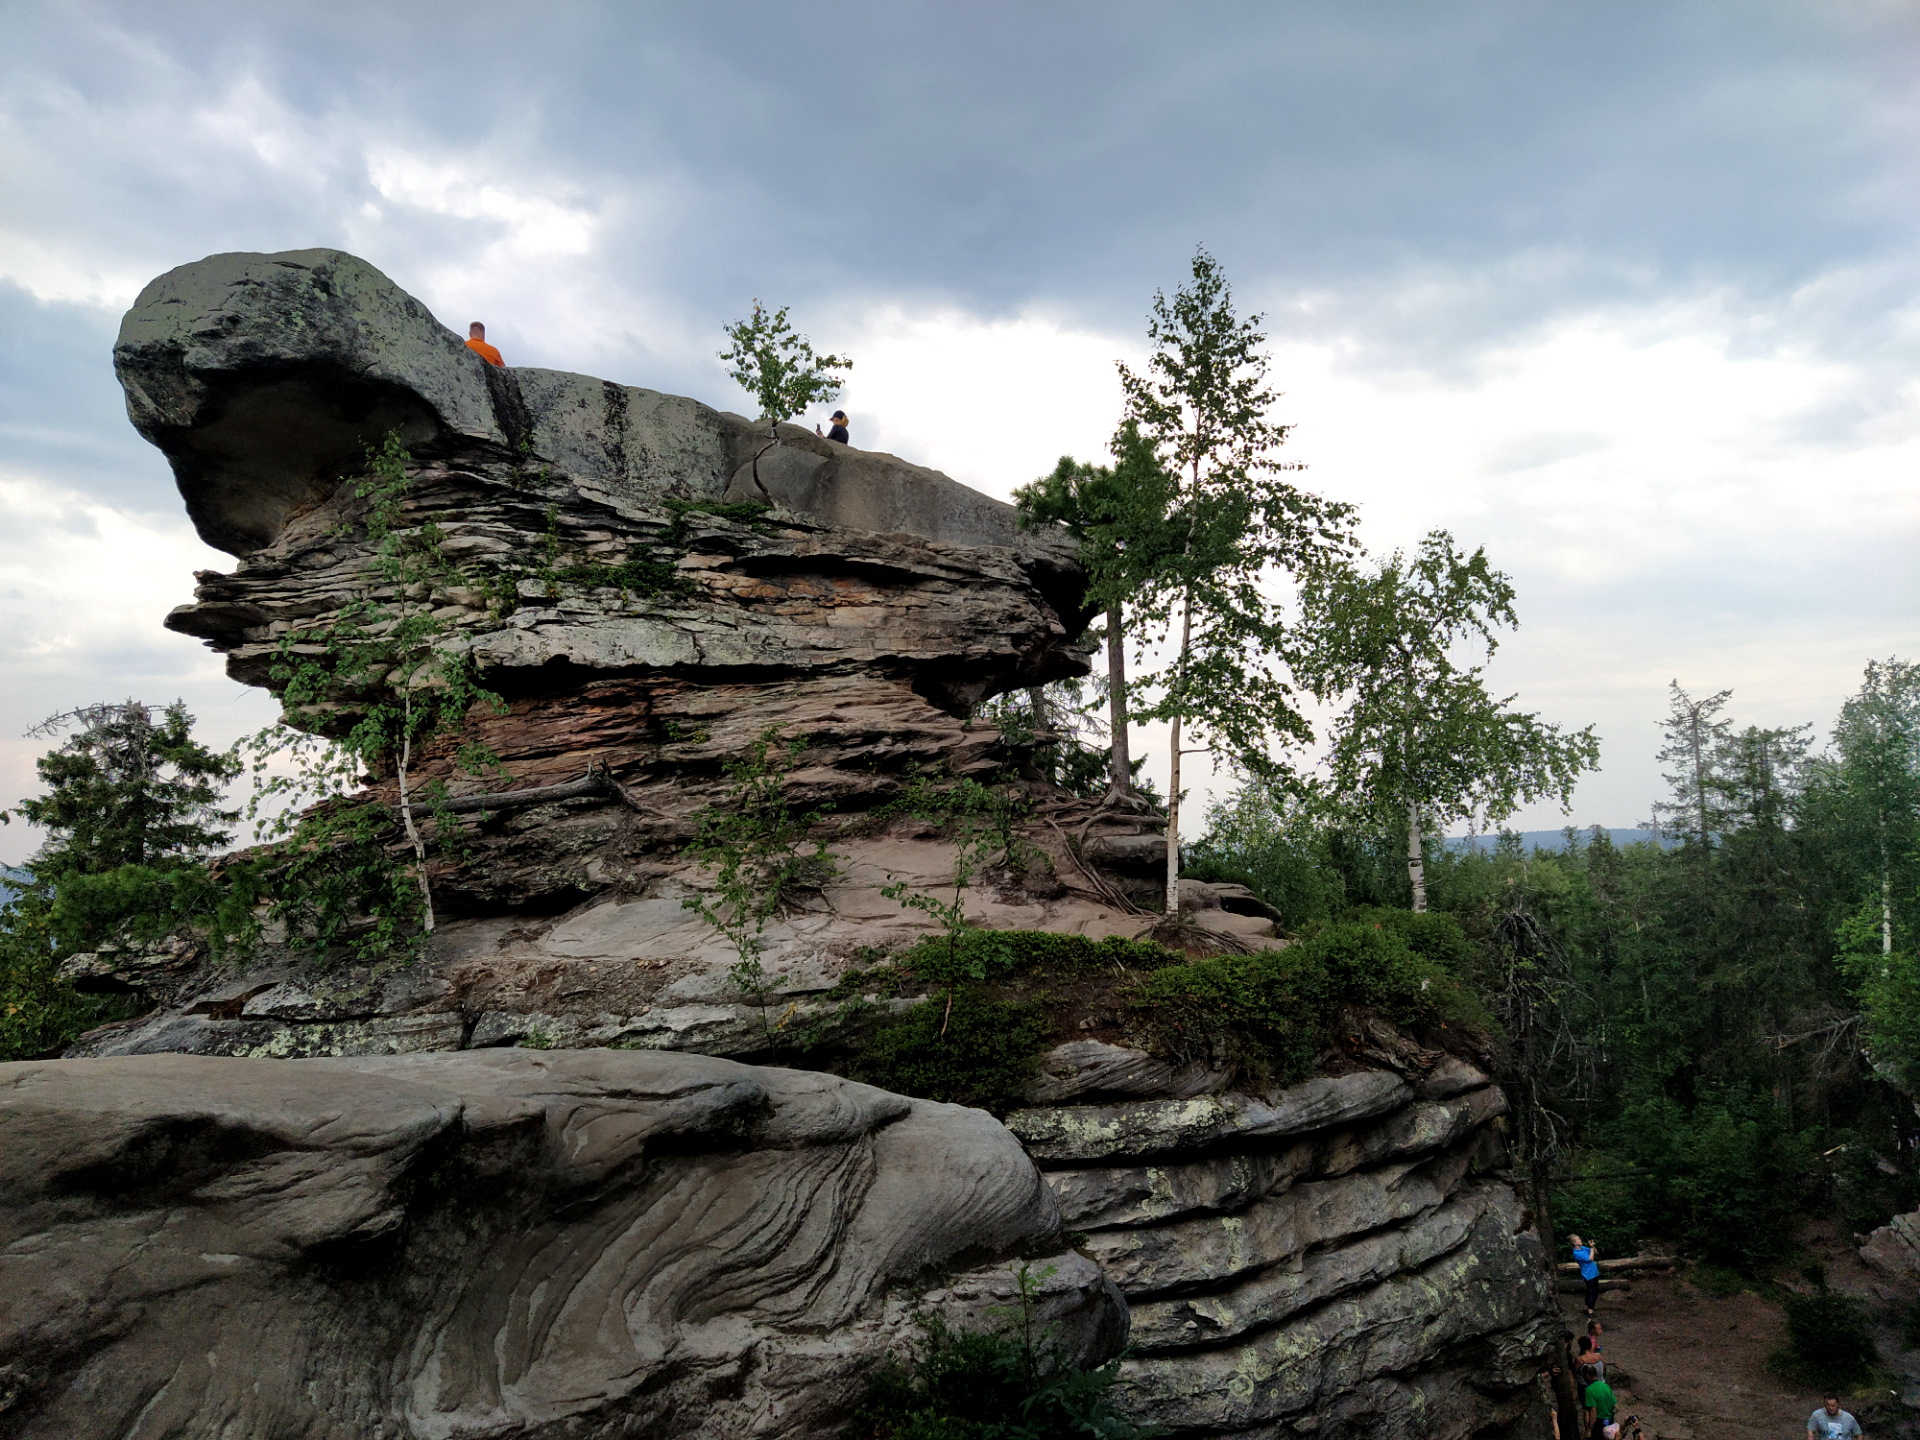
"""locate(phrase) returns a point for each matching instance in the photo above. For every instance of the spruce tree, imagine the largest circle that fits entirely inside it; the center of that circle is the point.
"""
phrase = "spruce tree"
(132, 810)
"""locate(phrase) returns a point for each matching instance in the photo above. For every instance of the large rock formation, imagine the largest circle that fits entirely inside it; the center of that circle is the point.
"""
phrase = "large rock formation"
(1343, 1257)
(501, 1243)
(867, 611)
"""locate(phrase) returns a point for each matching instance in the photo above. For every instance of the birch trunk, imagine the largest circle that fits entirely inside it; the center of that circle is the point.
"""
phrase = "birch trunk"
(406, 816)
(1173, 782)
(1120, 772)
(1416, 858)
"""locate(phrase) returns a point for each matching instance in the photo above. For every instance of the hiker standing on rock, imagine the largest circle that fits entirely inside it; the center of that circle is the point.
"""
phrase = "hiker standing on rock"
(1589, 1258)
(839, 430)
(477, 342)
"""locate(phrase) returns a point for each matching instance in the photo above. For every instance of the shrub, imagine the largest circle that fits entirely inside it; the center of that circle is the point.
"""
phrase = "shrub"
(1030, 951)
(1726, 1180)
(1004, 1383)
(1604, 1206)
(1269, 1013)
(1829, 1345)
(965, 1048)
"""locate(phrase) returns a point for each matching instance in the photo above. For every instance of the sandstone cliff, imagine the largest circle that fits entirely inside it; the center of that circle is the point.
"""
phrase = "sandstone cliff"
(1340, 1257)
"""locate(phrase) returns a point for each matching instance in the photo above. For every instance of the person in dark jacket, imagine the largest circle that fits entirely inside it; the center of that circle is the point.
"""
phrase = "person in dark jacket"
(839, 430)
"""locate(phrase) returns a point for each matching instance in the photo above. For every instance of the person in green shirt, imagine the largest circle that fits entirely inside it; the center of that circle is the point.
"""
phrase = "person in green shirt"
(1598, 1398)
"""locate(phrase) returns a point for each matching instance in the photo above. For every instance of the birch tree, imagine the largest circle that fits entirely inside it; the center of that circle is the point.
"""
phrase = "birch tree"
(1227, 529)
(778, 367)
(1421, 744)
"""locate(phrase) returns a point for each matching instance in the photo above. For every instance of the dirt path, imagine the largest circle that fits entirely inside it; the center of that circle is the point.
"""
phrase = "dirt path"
(1693, 1365)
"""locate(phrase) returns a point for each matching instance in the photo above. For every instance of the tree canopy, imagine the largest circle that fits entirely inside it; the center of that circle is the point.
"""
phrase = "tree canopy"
(1421, 742)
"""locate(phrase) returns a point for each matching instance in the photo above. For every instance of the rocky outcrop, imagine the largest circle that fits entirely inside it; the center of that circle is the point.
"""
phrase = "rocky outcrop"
(642, 630)
(505, 1243)
(1343, 1257)
(541, 1235)
(1894, 1248)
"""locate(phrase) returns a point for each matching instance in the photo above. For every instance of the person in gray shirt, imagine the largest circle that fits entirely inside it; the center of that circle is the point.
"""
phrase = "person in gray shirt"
(1830, 1422)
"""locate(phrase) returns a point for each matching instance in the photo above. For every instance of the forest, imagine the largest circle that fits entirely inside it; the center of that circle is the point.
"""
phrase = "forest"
(1719, 1030)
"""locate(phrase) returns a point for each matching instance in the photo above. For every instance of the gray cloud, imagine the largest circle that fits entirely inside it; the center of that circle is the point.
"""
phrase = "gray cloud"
(1421, 188)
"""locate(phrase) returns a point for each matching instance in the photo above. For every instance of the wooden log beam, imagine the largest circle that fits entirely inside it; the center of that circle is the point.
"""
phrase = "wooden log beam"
(594, 782)
(1629, 1262)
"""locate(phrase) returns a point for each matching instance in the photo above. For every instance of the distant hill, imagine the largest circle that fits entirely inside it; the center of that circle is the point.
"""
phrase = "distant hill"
(9, 881)
(1555, 840)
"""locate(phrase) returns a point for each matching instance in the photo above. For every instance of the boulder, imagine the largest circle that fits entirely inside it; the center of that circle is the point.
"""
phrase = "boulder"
(494, 1243)
(1894, 1248)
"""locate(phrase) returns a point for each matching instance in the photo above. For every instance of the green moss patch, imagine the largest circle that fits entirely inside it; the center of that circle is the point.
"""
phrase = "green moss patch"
(1001, 998)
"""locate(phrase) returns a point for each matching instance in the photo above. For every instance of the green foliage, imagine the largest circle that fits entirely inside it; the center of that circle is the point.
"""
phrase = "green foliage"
(965, 1048)
(734, 512)
(1264, 838)
(381, 679)
(132, 811)
(778, 367)
(755, 845)
(1421, 743)
(1829, 1342)
(638, 575)
(1007, 1382)
(982, 821)
(1044, 726)
(1215, 528)
(1269, 1014)
(1036, 952)
(1726, 1181)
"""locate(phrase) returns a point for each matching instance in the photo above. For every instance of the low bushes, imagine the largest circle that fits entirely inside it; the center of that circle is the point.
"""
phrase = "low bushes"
(1267, 1015)
(1829, 1345)
(1003, 1383)
(1726, 1180)
(969, 1050)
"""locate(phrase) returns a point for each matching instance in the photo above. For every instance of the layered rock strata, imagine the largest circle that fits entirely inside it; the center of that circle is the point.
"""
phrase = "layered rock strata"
(543, 1237)
(1343, 1257)
(640, 642)
(502, 1244)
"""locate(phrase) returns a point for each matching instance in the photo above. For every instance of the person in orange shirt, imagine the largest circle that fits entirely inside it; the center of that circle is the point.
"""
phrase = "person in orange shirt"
(477, 342)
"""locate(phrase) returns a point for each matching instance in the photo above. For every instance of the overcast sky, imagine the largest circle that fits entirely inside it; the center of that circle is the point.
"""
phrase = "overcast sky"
(1627, 293)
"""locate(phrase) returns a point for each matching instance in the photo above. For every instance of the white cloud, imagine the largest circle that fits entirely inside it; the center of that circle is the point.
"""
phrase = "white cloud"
(83, 589)
(1647, 476)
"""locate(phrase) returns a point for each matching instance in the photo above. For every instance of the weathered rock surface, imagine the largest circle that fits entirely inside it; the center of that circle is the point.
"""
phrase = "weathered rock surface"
(640, 642)
(1344, 1257)
(533, 1237)
(1894, 1248)
(502, 1243)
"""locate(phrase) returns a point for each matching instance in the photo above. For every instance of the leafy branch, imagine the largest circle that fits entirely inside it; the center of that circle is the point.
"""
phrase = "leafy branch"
(756, 846)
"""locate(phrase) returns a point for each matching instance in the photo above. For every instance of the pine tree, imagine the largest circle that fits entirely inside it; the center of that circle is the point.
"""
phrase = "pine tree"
(132, 811)
(1118, 514)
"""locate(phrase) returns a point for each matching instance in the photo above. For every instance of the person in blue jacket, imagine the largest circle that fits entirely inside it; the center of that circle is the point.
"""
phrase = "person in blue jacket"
(1589, 1257)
